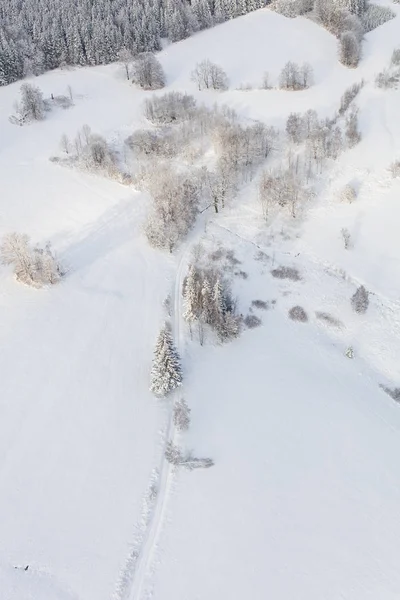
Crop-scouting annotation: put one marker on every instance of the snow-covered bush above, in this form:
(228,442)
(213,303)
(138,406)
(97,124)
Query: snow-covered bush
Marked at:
(286,273)
(147,72)
(33,266)
(346,237)
(172,107)
(360,300)
(166,374)
(395,60)
(294,77)
(260,304)
(164,142)
(387,79)
(297,313)
(175,455)
(376,15)
(209,76)
(181,415)
(349,49)
(348,193)
(252,321)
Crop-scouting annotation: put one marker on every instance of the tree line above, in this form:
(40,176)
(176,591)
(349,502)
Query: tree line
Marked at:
(40,35)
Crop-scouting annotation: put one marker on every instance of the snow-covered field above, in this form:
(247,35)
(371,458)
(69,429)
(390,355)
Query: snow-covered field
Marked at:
(303,498)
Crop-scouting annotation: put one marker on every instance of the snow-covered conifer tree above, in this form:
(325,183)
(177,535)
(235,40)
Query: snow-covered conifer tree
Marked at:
(166,374)
(191,296)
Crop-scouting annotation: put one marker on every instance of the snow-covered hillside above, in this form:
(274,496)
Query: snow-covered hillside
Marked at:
(302,501)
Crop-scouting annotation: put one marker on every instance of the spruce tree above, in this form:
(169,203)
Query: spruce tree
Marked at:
(166,374)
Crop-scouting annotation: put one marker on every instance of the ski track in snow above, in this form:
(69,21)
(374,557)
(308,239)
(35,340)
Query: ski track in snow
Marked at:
(149,541)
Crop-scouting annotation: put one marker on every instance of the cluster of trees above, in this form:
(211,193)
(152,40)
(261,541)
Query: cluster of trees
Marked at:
(209,76)
(39,35)
(208,302)
(294,77)
(166,373)
(175,205)
(312,141)
(33,107)
(91,151)
(32,265)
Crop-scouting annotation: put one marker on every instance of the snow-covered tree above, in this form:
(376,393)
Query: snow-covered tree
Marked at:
(166,374)
(209,76)
(31,106)
(147,72)
(191,296)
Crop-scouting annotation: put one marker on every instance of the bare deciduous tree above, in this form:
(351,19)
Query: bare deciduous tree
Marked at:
(181,415)
(125,56)
(209,76)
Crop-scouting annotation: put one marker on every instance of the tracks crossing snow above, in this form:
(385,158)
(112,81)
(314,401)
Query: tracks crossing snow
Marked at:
(149,542)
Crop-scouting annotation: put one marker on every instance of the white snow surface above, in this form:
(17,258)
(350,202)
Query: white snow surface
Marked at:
(303,499)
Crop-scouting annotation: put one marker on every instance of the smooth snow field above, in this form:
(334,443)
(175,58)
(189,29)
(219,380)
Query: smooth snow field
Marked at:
(303,500)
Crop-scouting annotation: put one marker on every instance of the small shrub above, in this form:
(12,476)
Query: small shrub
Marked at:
(328,319)
(252,321)
(286,273)
(261,304)
(348,194)
(349,352)
(242,274)
(297,313)
(360,300)
(346,236)
(63,102)
(231,258)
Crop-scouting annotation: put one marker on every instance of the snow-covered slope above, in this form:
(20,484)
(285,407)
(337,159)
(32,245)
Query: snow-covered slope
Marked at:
(302,501)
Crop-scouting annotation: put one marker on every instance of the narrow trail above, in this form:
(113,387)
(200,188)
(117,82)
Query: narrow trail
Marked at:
(149,543)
